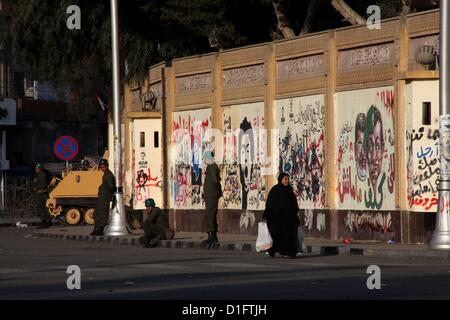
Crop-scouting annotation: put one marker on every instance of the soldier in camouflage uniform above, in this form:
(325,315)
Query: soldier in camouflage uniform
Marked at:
(156,227)
(212,192)
(41,195)
(105,195)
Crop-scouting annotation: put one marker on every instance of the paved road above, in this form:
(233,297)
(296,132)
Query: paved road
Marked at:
(36,269)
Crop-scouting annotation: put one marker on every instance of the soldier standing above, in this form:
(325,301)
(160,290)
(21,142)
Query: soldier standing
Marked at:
(212,192)
(40,194)
(105,195)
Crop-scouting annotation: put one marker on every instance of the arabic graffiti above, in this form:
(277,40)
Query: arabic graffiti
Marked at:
(375,221)
(189,143)
(244,148)
(423,168)
(301,155)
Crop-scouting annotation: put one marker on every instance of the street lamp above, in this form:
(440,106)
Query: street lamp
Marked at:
(117,221)
(441,235)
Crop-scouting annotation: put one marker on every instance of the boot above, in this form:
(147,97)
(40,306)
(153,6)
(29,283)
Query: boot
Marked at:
(206,243)
(94,232)
(144,240)
(154,242)
(100,231)
(213,239)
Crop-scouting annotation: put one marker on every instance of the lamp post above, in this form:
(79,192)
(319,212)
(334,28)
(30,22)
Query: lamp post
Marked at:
(441,234)
(117,221)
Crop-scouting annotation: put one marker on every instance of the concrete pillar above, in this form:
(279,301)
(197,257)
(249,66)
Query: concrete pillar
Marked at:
(401,182)
(269,111)
(167,115)
(165,140)
(330,134)
(216,118)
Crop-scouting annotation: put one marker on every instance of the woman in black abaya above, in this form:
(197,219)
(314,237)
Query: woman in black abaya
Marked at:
(281,216)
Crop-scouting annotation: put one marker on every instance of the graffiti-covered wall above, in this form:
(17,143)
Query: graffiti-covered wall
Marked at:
(301,127)
(422,145)
(244,150)
(365,149)
(188,141)
(147,162)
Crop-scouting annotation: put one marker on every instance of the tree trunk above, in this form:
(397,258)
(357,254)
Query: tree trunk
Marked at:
(348,13)
(283,24)
(313,8)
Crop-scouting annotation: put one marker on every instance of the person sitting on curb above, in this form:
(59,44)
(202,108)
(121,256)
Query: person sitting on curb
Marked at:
(156,227)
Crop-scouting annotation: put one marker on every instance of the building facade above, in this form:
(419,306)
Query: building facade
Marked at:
(351,114)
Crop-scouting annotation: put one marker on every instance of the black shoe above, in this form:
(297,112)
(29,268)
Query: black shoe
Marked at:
(144,240)
(271,253)
(94,232)
(154,242)
(206,243)
(214,237)
(100,231)
(213,240)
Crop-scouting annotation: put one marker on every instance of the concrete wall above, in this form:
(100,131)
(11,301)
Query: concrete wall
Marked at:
(188,143)
(294,106)
(365,159)
(422,146)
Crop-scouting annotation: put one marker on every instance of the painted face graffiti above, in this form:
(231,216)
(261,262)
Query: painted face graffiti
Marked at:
(373,135)
(246,149)
(366,163)
(360,148)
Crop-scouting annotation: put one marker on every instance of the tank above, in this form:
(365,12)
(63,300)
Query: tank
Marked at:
(74,196)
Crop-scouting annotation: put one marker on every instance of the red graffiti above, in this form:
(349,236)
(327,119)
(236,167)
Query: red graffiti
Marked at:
(388,99)
(444,205)
(346,187)
(425,202)
(143,182)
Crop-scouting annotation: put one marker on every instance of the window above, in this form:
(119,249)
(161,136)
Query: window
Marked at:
(156,139)
(426,113)
(142,142)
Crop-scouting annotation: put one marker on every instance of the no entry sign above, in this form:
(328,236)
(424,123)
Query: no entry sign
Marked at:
(65,148)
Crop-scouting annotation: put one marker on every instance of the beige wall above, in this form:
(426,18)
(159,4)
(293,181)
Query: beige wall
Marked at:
(345,71)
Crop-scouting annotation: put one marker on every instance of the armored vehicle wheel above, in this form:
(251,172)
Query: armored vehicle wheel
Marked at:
(89,216)
(73,216)
(54,212)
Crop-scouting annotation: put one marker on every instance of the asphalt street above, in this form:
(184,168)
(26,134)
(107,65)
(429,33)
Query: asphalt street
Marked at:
(32,268)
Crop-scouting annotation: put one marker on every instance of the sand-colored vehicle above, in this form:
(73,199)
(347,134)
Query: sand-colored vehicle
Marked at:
(74,196)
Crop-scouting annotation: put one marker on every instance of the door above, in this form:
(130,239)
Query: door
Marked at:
(147,162)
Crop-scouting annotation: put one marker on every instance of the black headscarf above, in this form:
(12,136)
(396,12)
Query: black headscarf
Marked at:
(281,176)
(282,197)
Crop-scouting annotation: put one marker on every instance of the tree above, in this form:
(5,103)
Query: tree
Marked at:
(152,31)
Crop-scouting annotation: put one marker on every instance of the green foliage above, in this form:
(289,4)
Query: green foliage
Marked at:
(151,31)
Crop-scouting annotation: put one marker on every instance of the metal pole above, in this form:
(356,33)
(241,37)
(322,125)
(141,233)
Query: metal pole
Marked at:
(441,235)
(2,187)
(117,222)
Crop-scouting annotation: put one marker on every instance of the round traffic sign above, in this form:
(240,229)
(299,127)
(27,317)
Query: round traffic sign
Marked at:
(65,148)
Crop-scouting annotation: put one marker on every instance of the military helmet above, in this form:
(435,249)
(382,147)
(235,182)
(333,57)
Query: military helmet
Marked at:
(150,202)
(103,162)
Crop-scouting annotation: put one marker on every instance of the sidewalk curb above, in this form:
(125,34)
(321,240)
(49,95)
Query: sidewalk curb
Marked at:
(247,247)
(316,249)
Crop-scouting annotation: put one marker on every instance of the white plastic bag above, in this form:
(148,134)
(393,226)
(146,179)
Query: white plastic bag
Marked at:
(301,240)
(264,240)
